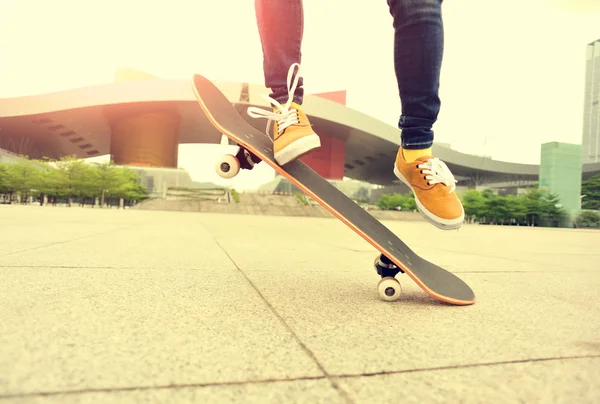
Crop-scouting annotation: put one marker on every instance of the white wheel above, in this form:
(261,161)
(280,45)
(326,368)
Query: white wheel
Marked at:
(389,289)
(228,166)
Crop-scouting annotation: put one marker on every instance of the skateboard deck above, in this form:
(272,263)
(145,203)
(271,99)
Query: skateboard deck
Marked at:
(395,256)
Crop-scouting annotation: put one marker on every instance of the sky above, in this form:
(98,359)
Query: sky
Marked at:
(512,75)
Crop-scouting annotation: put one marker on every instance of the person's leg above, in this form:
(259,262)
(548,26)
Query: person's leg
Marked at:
(281,25)
(418,50)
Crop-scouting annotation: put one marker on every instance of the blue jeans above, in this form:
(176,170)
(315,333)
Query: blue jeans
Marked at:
(418,49)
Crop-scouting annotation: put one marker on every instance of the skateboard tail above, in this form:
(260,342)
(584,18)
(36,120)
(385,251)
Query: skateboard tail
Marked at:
(268,159)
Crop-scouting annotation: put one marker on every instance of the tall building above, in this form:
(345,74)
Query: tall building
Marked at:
(591,113)
(560,174)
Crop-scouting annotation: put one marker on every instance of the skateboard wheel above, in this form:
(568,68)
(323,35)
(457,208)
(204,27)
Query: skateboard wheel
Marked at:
(389,289)
(228,166)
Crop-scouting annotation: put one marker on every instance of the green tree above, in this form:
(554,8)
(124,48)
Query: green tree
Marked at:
(497,209)
(487,212)
(86,186)
(53,185)
(70,177)
(389,201)
(136,193)
(73,178)
(127,185)
(591,189)
(589,218)
(533,205)
(552,209)
(42,184)
(23,177)
(516,208)
(4,188)
(409,204)
(540,206)
(473,203)
(108,180)
(487,207)
(393,201)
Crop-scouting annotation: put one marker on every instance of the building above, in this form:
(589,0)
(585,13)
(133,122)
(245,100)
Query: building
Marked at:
(158,180)
(591,112)
(140,120)
(560,174)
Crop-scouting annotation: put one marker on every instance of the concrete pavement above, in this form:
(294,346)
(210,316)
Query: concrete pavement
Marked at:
(147,306)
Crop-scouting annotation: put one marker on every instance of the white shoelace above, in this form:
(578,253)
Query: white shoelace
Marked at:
(438,172)
(284,116)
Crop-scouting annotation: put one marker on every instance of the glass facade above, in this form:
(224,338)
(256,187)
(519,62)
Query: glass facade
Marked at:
(560,173)
(591,110)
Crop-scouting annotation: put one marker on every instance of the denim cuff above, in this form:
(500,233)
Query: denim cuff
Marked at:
(416,132)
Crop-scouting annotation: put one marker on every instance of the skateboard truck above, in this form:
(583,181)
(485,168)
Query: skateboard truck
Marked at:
(229,165)
(388,287)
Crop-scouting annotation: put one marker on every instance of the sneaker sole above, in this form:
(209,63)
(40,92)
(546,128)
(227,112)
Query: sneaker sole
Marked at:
(440,223)
(297,149)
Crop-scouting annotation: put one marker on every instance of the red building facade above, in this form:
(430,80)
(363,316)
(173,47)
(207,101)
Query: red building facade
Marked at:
(328,160)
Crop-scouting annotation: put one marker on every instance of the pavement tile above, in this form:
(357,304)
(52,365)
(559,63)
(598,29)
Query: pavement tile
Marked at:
(158,244)
(297,391)
(146,300)
(557,382)
(72,329)
(340,318)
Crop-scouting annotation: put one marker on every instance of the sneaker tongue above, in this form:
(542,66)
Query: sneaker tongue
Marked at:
(293,105)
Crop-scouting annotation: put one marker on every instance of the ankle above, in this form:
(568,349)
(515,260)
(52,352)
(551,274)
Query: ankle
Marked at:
(413,154)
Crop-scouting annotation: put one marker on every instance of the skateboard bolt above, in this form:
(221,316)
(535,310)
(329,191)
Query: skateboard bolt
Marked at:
(389,291)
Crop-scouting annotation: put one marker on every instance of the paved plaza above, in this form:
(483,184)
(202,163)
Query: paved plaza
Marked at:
(101,306)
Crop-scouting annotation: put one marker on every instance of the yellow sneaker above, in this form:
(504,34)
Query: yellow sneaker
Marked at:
(293,136)
(433,185)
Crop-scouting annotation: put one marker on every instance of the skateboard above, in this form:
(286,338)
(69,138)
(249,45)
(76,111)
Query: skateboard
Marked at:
(394,257)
